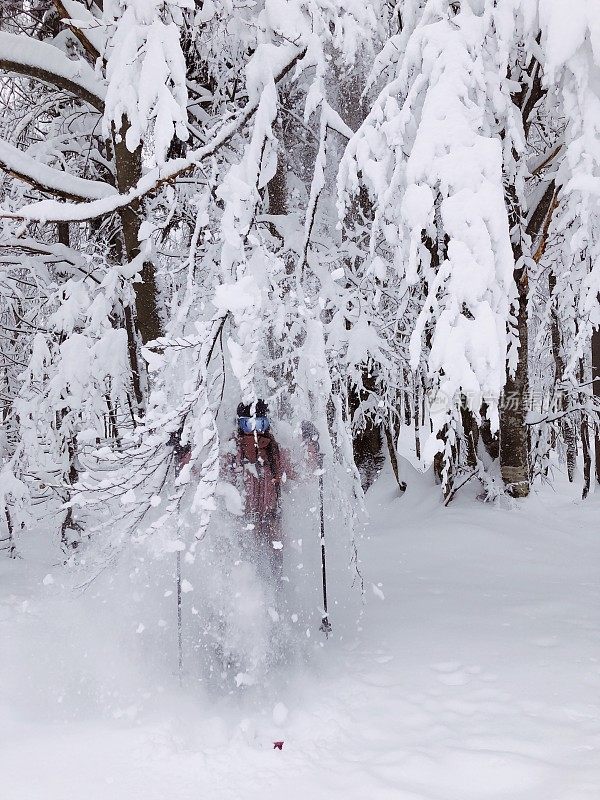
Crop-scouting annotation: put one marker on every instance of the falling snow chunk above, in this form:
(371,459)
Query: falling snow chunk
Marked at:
(155,500)
(377,591)
(244,679)
(140,628)
(277,546)
(48,580)
(273,614)
(186,586)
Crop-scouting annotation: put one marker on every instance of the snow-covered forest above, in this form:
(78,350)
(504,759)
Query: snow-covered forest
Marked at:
(365,237)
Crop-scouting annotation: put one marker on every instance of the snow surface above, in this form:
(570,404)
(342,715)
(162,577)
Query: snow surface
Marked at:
(473,671)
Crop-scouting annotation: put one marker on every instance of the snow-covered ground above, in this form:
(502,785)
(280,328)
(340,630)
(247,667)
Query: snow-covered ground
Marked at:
(473,672)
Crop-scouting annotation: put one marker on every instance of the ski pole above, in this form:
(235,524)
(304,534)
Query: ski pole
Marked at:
(325,624)
(174,441)
(179,620)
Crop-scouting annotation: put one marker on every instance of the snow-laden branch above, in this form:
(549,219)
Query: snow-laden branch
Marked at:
(83,24)
(53,211)
(430,157)
(316,187)
(48,179)
(46,63)
(146,75)
(57,254)
(537,164)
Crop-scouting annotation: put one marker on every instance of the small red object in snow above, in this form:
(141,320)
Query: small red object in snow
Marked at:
(277,745)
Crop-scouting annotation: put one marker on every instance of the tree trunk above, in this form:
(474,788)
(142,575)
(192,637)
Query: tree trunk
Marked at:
(568,428)
(471,435)
(491,441)
(70,529)
(367,444)
(440,464)
(587,456)
(8,543)
(584,431)
(391,435)
(514,441)
(571,445)
(596,392)
(514,436)
(417,422)
(142,323)
(129,172)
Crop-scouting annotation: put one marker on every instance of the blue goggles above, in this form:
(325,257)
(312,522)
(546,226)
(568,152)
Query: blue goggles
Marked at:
(251,424)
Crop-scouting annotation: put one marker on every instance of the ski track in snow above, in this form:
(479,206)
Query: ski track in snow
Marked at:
(478,676)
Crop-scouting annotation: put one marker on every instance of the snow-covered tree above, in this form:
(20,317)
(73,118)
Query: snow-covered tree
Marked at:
(460,154)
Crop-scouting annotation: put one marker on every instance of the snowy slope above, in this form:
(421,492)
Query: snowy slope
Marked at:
(473,672)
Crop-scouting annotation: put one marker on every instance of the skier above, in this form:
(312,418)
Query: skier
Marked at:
(258,467)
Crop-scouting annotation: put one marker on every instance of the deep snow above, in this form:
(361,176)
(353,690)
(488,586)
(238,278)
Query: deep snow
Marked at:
(472,672)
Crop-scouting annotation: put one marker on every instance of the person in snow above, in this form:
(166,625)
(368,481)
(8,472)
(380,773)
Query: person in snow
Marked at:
(258,467)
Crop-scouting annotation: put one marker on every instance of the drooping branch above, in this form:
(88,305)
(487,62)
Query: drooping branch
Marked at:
(31,58)
(58,255)
(48,179)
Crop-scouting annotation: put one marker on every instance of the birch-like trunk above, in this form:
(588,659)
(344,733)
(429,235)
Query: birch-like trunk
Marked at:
(514,439)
